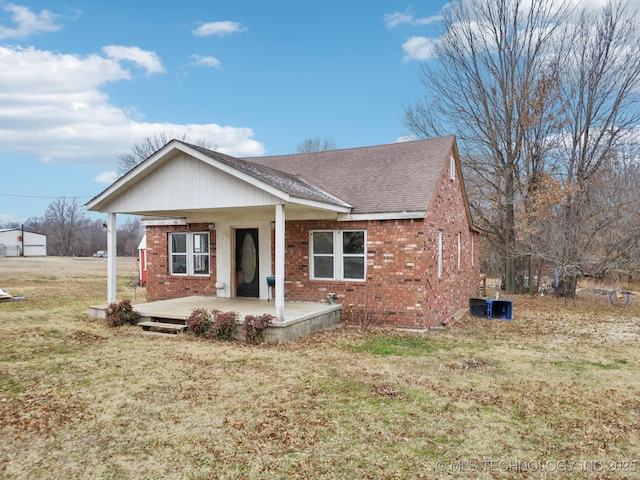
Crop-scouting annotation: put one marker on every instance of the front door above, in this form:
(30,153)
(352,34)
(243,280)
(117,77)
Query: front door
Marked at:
(247,261)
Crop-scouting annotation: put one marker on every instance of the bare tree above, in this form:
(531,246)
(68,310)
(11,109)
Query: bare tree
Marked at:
(601,94)
(64,222)
(317,144)
(540,99)
(493,85)
(147,146)
(129,236)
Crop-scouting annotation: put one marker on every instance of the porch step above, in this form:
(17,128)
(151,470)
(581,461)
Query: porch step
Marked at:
(164,327)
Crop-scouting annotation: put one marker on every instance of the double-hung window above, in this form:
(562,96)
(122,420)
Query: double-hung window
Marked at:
(338,254)
(189,254)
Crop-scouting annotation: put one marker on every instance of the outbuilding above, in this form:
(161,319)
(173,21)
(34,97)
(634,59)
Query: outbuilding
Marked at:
(17,242)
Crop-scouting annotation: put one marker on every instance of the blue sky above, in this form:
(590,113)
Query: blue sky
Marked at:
(81,80)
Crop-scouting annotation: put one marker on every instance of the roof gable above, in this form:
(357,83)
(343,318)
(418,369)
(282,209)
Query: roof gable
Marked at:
(204,179)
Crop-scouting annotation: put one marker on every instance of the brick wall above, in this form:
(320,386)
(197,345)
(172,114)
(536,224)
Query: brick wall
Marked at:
(401,255)
(161,285)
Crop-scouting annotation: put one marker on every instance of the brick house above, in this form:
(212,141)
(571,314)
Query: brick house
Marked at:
(364,226)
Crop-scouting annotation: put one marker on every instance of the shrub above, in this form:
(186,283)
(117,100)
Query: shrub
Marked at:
(254,326)
(199,322)
(225,324)
(118,314)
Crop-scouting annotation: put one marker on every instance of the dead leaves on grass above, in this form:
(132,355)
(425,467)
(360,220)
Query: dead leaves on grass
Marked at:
(468,364)
(41,413)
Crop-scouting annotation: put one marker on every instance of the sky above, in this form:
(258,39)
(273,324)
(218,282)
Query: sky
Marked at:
(81,80)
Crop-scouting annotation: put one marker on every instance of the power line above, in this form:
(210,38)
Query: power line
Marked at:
(43,196)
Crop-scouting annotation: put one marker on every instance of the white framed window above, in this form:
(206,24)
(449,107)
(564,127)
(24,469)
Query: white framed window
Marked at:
(189,253)
(338,254)
(459,250)
(439,253)
(452,168)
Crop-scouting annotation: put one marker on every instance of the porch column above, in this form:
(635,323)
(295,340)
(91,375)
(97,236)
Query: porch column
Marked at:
(279,298)
(111,257)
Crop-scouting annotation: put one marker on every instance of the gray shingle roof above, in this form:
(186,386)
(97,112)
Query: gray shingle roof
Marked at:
(292,184)
(388,178)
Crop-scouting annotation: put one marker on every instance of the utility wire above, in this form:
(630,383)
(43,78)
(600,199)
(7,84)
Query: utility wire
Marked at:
(42,196)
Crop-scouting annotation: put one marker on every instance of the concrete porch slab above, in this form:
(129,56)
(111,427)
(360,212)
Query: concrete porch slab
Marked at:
(300,318)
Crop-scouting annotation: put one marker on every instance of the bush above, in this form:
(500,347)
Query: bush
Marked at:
(199,322)
(254,326)
(118,314)
(225,324)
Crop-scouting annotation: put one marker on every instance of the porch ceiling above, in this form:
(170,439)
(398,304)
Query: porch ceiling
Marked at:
(293,212)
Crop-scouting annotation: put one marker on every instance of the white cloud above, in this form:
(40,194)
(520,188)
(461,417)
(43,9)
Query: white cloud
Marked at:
(106,177)
(419,48)
(218,28)
(143,58)
(206,61)
(51,107)
(27,23)
(394,19)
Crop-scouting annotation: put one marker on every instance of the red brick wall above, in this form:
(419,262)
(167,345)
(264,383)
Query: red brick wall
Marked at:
(161,285)
(401,255)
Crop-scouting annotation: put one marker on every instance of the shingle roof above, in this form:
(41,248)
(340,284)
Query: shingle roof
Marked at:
(388,178)
(292,184)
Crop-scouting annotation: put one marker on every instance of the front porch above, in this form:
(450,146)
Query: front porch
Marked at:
(300,318)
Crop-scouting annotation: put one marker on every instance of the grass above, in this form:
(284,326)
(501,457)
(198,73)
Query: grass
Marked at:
(552,394)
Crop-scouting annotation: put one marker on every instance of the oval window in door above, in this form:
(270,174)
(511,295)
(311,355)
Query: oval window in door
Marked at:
(248,261)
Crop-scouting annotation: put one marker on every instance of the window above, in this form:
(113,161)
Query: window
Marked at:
(452,168)
(338,255)
(189,254)
(439,253)
(459,250)
(473,251)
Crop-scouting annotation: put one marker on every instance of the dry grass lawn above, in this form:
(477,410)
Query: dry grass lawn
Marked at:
(555,393)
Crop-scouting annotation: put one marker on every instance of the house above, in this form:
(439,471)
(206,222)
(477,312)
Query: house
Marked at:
(17,242)
(364,227)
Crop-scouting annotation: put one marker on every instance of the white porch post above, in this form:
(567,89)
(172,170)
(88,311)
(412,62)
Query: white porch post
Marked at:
(111,257)
(279,297)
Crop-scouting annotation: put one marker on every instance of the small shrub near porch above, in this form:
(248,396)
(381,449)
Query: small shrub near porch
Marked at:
(254,327)
(118,314)
(199,322)
(224,325)
(216,324)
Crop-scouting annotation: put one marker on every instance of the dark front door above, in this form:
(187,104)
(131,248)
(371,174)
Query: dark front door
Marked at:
(247,271)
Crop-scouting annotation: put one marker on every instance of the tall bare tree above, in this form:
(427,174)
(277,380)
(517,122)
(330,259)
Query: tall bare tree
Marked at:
(537,93)
(147,146)
(601,95)
(493,85)
(316,144)
(64,222)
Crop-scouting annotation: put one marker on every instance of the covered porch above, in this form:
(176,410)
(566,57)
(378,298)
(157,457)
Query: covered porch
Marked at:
(183,185)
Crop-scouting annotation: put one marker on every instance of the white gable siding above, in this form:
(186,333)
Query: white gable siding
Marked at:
(187,183)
